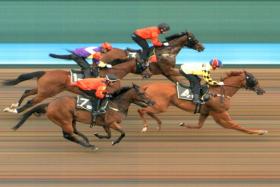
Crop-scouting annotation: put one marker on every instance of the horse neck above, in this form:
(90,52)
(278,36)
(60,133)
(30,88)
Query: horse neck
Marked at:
(234,84)
(178,44)
(124,100)
(121,70)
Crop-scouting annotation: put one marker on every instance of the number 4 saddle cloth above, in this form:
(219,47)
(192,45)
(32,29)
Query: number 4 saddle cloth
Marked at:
(186,93)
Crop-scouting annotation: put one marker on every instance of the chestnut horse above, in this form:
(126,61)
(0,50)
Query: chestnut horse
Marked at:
(165,94)
(63,112)
(51,83)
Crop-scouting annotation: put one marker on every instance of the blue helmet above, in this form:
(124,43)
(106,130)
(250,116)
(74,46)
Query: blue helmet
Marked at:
(216,63)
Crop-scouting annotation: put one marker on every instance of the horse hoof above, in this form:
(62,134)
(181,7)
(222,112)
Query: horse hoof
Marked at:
(262,132)
(114,142)
(10,110)
(94,148)
(181,124)
(145,129)
(7,109)
(97,135)
(14,105)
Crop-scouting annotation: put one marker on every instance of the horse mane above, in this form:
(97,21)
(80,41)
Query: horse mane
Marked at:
(232,73)
(174,36)
(121,91)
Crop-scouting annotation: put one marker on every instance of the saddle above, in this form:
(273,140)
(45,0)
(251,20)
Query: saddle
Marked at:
(185,93)
(137,53)
(76,75)
(85,103)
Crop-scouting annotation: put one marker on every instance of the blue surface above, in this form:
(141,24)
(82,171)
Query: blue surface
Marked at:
(233,54)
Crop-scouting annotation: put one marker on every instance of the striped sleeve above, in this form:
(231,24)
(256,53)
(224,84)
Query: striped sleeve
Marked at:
(207,77)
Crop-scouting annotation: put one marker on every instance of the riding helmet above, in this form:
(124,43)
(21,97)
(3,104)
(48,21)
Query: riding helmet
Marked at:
(164,27)
(97,56)
(216,63)
(107,46)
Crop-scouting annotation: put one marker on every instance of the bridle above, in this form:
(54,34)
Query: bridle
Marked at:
(250,84)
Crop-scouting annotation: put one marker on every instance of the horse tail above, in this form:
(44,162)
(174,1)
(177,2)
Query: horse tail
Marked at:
(24,77)
(40,109)
(65,57)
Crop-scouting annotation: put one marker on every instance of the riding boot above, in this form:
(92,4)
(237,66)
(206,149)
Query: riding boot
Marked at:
(94,113)
(95,72)
(196,99)
(87,73)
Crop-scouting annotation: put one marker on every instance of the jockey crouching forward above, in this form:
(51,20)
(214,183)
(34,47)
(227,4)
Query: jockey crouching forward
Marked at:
(96,89)
(80,55)
(152,33)
(194,70)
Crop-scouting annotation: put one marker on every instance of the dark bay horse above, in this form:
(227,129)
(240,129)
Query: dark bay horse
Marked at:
(166,56)
(50,83)
(165,94)
(63,112)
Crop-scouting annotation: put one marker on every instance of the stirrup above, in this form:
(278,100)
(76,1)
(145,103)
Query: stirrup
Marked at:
(197,108)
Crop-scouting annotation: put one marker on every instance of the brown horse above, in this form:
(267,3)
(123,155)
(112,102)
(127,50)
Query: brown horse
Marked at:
(50,83)
(165,94)
(62,111)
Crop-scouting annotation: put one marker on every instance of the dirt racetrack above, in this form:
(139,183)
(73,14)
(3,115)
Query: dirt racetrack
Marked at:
(38,155)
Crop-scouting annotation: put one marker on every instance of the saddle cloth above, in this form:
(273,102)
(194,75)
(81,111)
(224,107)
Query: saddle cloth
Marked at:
(76,75)
(186,93)
(84,103)
(136,53)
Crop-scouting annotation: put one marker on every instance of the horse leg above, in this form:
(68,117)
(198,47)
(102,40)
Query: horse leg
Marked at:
(201,120)
(118,128)
(29,104)
(151,111)
(15,105)
(79,133)
(107,130)
(152,115)
(26,94)
(72,138)
(141,113)
(225,120)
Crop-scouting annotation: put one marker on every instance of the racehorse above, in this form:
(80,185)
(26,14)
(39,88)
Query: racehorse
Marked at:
(53,82)
(166,56)
(165,94)
(50,83)
(63,112)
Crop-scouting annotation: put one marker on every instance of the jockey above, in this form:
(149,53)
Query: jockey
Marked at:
(80,55)
(193,71)
(152,33)
(96,89)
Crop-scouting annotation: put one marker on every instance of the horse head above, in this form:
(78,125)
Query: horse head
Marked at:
(140,97)
(193,43)
(246,80)
(251,83)
(185,39)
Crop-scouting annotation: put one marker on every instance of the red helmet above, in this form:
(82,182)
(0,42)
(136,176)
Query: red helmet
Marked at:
(97,56)
(107,46)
